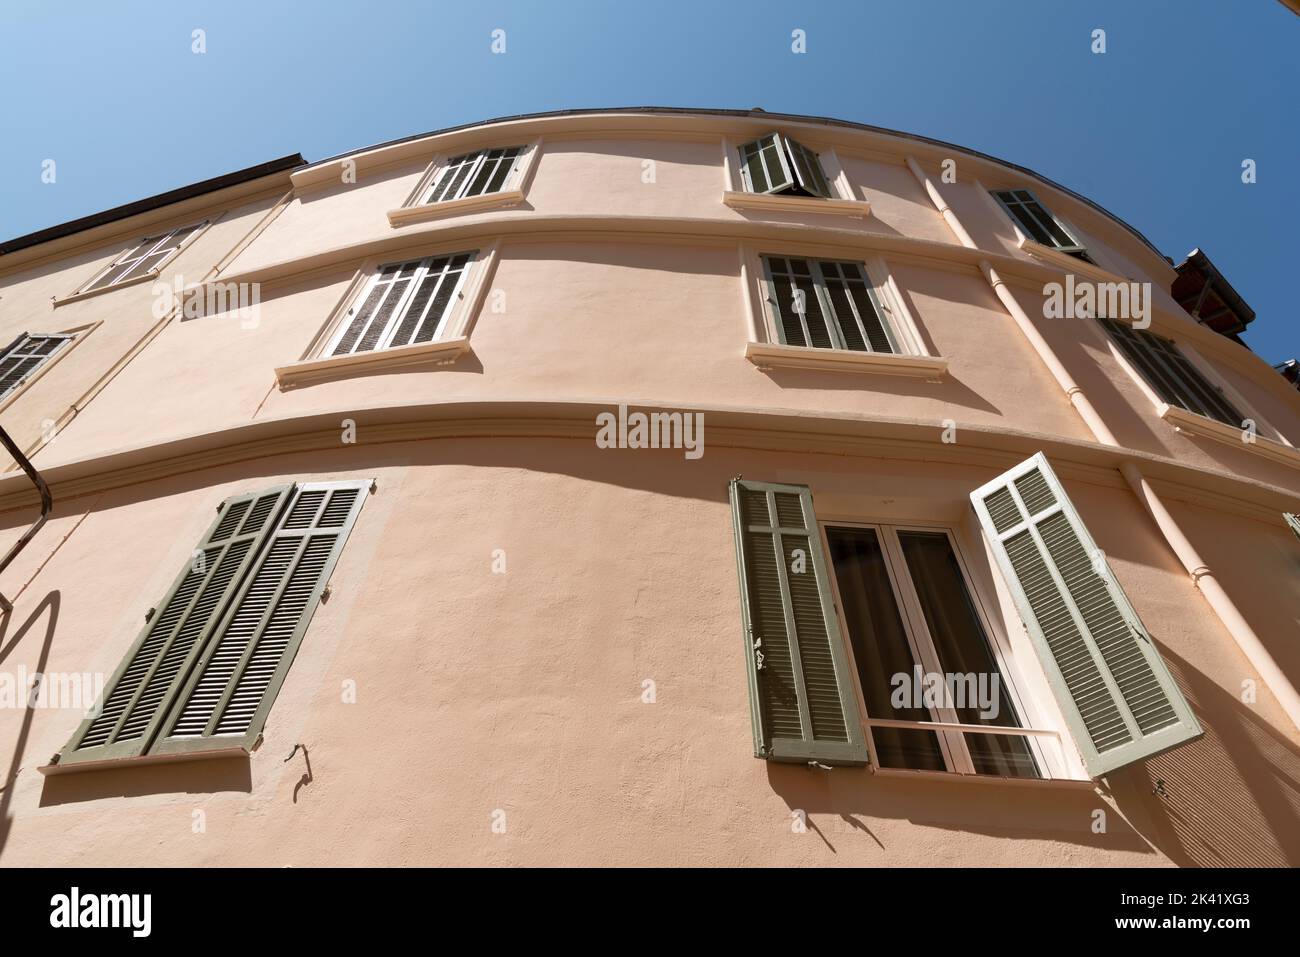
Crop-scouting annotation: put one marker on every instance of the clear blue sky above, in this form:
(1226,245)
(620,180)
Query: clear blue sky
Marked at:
(1155,129)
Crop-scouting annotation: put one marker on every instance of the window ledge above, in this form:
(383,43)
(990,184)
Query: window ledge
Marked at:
(470,204)
(149,276)
(809,204)
(1076,784)
(311,371)
(1068,262)
(768,355)
(1201,425)
(139,760)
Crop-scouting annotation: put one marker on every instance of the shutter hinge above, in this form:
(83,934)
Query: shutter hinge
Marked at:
(325,593)
(817,764)
(757,647)
(374,486)
(148,615)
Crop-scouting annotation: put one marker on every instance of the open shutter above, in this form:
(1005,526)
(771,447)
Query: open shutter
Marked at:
(145,684)
(1114,689)
(230,693)
(763,165)
(801,696)
(808,169)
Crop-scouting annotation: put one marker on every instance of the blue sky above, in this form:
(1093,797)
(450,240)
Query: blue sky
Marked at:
(1155,129)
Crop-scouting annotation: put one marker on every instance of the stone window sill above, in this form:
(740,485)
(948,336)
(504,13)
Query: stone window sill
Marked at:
(1196,424)
(311,371)
(426,212)
(767,355)
(808,204)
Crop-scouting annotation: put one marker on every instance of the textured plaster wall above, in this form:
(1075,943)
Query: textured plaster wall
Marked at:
(522,692)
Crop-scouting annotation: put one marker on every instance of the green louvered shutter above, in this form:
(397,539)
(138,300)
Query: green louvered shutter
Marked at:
(801,695)
(145,684)
(763,166)
(808,169)
(1120,701)
(230,693)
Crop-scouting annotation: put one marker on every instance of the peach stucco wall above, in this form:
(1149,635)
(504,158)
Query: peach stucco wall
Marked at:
(522,691)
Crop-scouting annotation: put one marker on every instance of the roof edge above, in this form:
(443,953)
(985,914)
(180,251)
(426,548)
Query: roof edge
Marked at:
(50,233)
(755,114)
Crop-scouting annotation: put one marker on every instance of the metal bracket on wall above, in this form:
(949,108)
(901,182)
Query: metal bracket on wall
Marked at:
(47,503)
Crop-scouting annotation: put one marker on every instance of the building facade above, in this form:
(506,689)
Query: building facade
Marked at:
(639,487)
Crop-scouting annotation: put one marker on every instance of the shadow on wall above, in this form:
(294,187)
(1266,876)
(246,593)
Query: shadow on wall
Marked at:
(993,809)
(1231,798)
(49,603)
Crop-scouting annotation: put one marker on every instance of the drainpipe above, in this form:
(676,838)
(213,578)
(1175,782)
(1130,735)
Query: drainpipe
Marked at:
(1199,572)
(47,503)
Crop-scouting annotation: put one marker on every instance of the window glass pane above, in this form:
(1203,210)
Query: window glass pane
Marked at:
(754,167)
(980,695)
(880,648)
(1059,237)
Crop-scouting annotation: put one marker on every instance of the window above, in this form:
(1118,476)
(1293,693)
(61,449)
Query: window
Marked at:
(827,305)
(1171,374)
(27,354)
(1038,223)
(146,257)
(403,304)
(476,174)
(777,164)
(210,660)
(909,613)
(1119,699)
(936,697)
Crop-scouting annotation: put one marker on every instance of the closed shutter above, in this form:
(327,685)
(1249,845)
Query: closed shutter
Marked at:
(230,693)
(1113,687)
(763,166)
(801,695)
(808,169)
(147,682)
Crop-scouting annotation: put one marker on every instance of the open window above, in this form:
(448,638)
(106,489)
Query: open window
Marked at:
(1039,224)
(890,612)
(776,164)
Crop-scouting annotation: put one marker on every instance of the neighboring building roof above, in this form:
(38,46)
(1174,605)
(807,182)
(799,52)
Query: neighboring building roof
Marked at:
(1290,371)
(1209,298)
(292,161)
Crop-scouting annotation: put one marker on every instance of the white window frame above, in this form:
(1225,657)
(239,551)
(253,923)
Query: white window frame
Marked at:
(142,250)
(444,323)
(1053,762)
(477,158)
(881,288)
(416,208)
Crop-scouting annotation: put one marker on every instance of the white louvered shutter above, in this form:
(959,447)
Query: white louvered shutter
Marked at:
(1119,698)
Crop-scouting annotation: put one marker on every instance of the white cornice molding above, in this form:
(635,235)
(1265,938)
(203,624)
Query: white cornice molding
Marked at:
(781,430)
